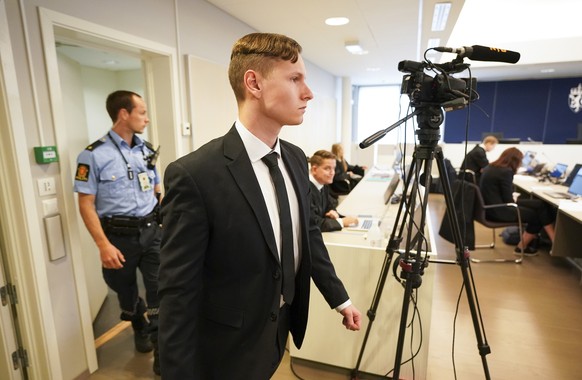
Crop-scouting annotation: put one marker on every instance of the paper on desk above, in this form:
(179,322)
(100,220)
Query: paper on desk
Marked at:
(569,205)
(543,188)
(526,178)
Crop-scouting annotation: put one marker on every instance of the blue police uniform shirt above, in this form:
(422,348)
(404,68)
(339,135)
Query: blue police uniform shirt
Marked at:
(102,171)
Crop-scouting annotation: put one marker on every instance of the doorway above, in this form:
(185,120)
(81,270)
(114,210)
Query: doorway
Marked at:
(160,91)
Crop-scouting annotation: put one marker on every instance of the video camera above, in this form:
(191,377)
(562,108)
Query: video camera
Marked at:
(442,90)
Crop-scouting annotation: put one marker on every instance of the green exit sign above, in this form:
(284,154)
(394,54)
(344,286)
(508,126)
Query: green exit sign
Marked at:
(46,154)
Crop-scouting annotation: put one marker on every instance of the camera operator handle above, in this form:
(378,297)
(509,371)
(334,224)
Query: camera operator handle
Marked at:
(378,135)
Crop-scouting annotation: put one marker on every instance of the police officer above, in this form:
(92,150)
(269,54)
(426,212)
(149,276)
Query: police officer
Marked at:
(118,188)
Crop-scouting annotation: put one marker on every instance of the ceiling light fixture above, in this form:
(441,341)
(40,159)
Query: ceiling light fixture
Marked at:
(337,21)
(440,16)
(354,47)
(109,62)
(547,71)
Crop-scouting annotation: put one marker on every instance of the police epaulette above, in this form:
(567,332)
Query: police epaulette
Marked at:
(149,145)
(94,145)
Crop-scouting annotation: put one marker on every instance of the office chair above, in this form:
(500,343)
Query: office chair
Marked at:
(467,175)
(480,216)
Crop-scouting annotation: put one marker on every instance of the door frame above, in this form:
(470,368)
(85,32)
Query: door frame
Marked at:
(161,70)
(20,228)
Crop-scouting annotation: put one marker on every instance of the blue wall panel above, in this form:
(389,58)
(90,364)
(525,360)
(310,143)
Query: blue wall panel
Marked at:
(480,116)
(520,110)
(527,109)
(562,121)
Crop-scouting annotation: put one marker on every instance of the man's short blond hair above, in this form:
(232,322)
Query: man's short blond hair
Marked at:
(318,157)
(490,140)
(259,52)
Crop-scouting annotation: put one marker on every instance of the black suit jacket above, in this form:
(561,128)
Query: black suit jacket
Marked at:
(321,204)
(476,160)
(220,276)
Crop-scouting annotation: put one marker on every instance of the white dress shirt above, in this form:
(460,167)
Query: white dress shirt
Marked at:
(256,150)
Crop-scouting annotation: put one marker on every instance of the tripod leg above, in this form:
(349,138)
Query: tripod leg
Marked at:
(464,262)
(373,309)
(412,267)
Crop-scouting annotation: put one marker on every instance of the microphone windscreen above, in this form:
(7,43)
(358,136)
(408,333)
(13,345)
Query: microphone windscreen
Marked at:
(484,53)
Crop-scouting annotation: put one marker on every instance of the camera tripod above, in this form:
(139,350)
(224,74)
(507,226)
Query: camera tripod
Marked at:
(411,260)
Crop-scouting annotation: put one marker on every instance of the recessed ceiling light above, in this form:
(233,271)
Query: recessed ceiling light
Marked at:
(547,71)
(110,62)
(354,47)
(440,16)
(337,21)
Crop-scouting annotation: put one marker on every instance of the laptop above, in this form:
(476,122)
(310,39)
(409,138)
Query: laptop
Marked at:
(574,191)
(365,222)
(558,171)
(535,170)
(572,174)
(527,158)
(391,188)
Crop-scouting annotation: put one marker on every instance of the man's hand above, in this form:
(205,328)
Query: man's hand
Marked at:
(111,257)
(350,221)
(332,214)
(352,318)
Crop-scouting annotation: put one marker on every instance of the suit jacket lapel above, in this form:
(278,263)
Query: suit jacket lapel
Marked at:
(242,171)
(299,183)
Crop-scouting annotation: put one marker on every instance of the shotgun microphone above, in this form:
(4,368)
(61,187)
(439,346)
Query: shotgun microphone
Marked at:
(482,53)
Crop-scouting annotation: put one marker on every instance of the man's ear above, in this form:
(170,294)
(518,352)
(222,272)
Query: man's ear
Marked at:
(252,82)
(122,114)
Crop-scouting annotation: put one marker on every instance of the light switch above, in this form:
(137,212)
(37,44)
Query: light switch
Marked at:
(46,186)
(50,207)
(55,237)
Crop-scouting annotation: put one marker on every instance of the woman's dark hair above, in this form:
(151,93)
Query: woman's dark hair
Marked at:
(510,158)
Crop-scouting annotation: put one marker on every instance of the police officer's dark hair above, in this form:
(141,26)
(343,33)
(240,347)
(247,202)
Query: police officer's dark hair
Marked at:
(119,100)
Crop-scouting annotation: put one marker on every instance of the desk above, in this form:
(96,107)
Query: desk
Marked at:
(568,219)
(359,267)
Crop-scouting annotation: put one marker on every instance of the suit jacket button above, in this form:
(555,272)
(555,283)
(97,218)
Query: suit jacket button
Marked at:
(273,317)
(276,275)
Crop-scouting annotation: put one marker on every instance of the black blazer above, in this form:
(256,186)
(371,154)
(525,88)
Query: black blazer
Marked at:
(497,187)
(321,204)
(476,160)
(220,276)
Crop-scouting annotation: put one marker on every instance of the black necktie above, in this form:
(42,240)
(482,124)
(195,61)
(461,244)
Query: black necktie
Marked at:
(287,256)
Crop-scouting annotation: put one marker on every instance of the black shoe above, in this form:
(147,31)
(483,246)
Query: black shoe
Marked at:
(528,251)
(141,338)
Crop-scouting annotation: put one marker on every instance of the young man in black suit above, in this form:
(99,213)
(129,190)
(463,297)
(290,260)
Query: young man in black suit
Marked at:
(322,169)
(476,160)
(238,247)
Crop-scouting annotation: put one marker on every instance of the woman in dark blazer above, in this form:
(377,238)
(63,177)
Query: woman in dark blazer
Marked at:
(346,176)
(497,187)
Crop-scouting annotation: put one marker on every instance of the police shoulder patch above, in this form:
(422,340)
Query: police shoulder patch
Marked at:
(82,173)
(95,144)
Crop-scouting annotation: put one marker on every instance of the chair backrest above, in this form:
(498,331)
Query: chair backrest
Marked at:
(479,204)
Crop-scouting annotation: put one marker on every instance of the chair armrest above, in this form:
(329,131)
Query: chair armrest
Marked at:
(506,205)
(501,205)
